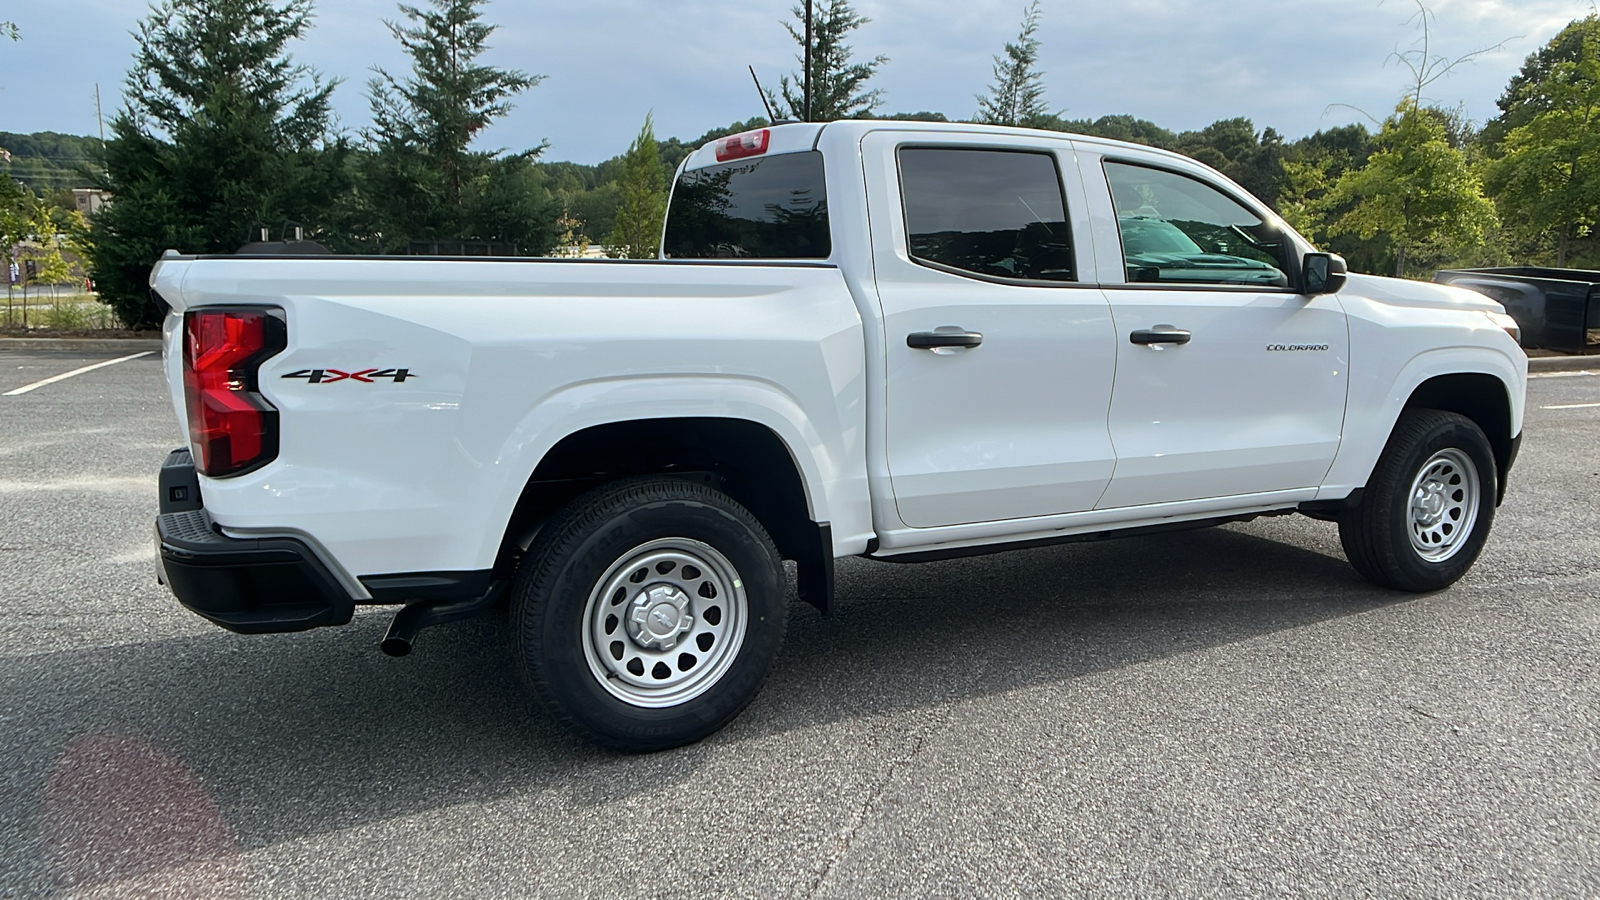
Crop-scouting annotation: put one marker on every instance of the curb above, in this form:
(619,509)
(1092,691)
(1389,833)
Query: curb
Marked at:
(90,345)
(1563,363)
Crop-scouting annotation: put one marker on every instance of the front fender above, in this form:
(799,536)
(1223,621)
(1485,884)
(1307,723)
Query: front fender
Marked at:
(1377,400)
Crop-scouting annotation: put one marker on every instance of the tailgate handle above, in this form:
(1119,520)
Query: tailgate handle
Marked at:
(1161,334)
(927,340)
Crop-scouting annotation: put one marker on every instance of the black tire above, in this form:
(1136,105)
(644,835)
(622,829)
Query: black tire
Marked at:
(705,558)
(1396,545)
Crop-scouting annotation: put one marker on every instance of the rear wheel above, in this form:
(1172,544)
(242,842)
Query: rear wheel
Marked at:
(1427,509)
(648,612)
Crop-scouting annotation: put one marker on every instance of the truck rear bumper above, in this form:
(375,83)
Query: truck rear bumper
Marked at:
(252,586)
(249,585)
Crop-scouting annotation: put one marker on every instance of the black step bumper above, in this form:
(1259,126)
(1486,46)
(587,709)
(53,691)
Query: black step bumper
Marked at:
(248,585)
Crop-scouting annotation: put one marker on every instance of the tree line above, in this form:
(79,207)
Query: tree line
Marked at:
(221,137)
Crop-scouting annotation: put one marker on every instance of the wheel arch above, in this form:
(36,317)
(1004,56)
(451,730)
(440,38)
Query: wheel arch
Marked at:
(1484,385)
(746,459)
(1485,400)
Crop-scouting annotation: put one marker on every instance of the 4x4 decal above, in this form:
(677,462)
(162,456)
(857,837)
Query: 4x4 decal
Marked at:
(365,376)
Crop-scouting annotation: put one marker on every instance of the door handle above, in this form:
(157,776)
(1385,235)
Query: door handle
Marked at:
(1160,334)
(928,340)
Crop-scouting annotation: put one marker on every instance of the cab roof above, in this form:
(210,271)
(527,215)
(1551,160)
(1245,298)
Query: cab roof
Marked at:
(797,137)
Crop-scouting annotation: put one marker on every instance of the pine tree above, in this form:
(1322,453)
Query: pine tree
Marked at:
(836,82)
(221,133)
(422,180)
(1017,96)
(637,233)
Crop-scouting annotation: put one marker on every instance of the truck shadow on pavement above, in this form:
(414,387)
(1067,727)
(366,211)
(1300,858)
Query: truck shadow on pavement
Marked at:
(298,735)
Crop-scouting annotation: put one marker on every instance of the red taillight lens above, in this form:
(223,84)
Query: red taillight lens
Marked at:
(232,428)
(751,143)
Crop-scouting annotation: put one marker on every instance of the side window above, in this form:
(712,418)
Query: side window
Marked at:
(1177,229)
(986,212)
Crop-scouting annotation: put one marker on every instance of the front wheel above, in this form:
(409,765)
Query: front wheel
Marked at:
(1426,511)
(648,612)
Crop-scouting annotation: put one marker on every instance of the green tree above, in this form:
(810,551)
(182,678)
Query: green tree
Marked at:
(1547,178)
(837,84)
(1417,202)
(16,212)
(1309,169)
(1117,128)
(918,116)
(46,161)
(422,180)
(16,225)
(1017,95)
(1416,192)
(50,265)
(1233,147)
(220,133)
(1525,95)
(637,232)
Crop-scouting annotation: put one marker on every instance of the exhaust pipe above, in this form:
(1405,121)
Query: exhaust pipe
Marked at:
(413,617)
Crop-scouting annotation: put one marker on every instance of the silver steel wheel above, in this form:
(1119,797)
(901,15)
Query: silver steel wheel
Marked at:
(1443,504)
(665,622)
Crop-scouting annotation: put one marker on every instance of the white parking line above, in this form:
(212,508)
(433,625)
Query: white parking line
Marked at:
(65,375)
(1584,374)
(1574,406)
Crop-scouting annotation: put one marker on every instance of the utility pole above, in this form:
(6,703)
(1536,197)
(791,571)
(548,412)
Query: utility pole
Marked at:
(101,118)
(806,88)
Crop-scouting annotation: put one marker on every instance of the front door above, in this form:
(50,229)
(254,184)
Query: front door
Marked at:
(1229,380)
(998,358)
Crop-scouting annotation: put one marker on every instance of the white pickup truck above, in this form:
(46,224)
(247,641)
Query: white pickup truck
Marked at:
(897,340)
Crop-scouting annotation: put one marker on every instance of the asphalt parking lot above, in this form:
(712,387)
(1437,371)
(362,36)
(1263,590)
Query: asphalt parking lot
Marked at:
(1229,712)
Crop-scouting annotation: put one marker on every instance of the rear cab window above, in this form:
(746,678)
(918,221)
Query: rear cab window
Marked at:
(767,207)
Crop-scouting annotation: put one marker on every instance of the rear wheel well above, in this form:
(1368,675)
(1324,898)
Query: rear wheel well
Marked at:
(1481,398)
(740,458)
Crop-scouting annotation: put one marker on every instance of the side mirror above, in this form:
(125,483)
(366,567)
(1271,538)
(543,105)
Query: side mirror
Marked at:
(1325,273)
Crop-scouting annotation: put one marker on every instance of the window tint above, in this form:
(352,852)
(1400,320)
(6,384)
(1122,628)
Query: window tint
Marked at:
(990,212)
(774,207)
(1178,229)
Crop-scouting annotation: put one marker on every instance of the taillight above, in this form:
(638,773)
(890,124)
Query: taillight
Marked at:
(751,143)
(232,428)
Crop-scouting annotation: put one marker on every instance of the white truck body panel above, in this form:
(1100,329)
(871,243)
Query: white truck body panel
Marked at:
(1055,425)
(423,476)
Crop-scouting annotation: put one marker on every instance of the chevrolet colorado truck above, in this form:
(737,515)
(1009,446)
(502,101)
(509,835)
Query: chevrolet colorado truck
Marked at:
(903,341)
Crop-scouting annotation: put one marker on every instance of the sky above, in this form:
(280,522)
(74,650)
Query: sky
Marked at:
(607,63)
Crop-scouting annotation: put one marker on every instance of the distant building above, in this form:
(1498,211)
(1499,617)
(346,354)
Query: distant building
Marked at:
(89,200)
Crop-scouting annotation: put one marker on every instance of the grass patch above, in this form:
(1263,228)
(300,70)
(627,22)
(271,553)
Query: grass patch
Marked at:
(76,312)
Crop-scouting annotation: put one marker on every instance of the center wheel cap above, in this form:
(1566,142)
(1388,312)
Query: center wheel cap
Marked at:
(658,616)
(1430,504)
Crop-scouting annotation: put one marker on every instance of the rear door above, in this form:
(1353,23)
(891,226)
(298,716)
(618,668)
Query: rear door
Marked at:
(1229,380)
(999,358)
